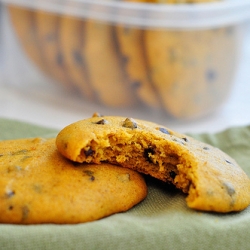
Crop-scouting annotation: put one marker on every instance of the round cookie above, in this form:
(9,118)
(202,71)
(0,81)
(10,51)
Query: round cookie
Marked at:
(130,41)
(39,185)
(191,76)
(188,67)
(23,24)
(212,179)
(72,42)
(104,66)
(47,25)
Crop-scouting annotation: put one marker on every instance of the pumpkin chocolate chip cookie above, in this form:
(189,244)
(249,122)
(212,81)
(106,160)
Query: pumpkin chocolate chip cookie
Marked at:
(39,185)
(211,178)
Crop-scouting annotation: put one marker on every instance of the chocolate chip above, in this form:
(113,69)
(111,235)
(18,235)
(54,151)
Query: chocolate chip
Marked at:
(90,174)
(88,152)
(136,84)
(185,139)
(92,178)
(229,188)
(10,193)
(164,131)
(178,140)
(102,121)
(147,154)
(129,123)
(77,57)
(211,75)
(229,162)
(172,174)
(10,207)
(206,148)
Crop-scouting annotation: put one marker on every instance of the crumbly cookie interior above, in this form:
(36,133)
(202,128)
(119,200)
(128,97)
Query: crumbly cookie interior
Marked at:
(148,155)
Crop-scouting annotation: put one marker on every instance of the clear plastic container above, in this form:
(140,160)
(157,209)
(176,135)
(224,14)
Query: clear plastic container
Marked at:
(177,59)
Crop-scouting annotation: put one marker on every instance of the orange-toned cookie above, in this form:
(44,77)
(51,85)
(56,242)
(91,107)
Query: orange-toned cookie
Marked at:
(25,28)
(132,52)
(72,42)
(39,185)
(106,75)
(189,69)
(130,41)
(211,178)
(47,26)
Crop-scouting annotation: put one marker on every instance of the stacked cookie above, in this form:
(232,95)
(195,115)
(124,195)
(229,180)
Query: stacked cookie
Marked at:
(38,185)
(95,167)
(183,72)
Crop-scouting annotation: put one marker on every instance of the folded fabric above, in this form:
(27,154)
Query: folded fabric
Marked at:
(161,221)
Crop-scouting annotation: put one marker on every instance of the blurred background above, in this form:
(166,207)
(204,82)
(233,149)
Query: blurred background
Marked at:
(185,69)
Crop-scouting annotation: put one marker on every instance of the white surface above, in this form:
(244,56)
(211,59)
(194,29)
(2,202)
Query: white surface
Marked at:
(52,106)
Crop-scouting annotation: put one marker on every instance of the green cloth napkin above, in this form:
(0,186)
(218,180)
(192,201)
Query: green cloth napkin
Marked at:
(161,221)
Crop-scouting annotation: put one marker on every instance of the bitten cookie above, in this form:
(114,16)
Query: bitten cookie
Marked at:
(212,179)
(39,185)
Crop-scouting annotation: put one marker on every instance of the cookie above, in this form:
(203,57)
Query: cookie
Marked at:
(39,185)
(47,26)
(22,21)
(72,42)
(190,69)
(105,71)
(211,178)
(130,42)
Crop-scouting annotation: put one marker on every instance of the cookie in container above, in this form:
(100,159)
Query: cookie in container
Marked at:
(174,57)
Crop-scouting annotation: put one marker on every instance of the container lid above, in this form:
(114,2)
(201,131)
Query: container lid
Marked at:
(147,15)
